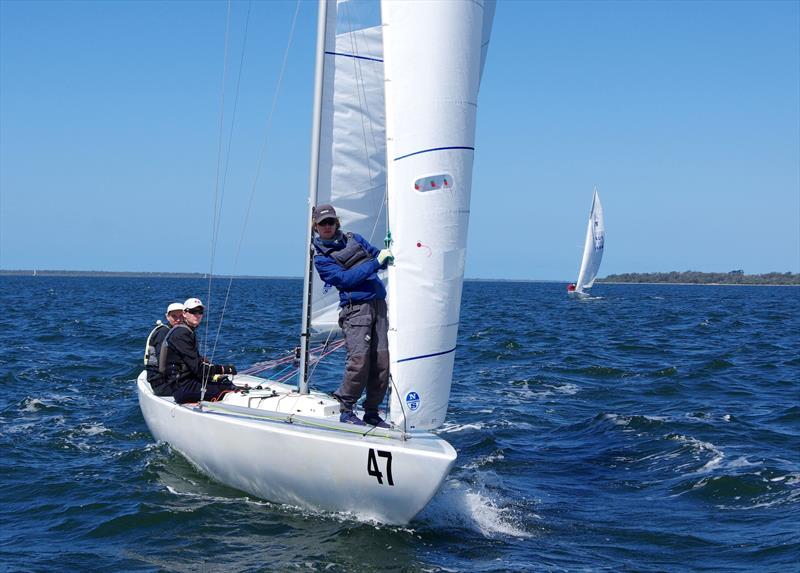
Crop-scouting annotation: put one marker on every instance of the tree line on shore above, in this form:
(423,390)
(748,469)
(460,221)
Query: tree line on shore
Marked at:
(695,277)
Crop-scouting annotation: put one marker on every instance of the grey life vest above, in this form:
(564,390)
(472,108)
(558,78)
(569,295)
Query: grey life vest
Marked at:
(150,358)
(351,255)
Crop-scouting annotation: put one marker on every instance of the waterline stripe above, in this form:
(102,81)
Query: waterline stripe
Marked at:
(432,149)
(353,56)
(427,355)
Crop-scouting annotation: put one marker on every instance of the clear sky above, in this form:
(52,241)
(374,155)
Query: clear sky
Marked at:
(686,115)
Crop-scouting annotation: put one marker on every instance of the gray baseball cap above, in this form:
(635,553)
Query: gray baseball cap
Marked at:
(324,211)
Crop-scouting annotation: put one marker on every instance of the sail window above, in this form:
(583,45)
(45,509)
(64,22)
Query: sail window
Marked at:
(434,183)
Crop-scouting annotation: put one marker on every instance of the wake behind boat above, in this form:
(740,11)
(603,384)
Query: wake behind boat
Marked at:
(393,145)
(592,250)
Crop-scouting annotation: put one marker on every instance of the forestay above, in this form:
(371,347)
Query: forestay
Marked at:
(593,246)
(433,55)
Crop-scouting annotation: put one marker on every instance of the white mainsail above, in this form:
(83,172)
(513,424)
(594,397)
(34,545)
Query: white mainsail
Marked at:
(593,246)
(431,101)
(352,142)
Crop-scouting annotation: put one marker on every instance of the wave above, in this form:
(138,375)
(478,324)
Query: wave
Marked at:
(477,507)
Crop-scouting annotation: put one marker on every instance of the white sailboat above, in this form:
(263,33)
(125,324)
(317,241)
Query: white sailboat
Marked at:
(592,250)
(392,149)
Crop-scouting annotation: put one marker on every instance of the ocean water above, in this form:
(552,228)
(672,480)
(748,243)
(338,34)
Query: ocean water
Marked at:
(653,428)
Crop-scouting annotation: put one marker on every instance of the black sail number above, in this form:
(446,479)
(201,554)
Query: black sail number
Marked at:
(373,468)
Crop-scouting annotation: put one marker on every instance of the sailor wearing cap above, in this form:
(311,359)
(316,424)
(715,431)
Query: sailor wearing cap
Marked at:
(183,368)
(153,347)
(350,263)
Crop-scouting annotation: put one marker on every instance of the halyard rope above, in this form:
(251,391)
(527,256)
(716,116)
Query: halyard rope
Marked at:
(216,179)
(217,205)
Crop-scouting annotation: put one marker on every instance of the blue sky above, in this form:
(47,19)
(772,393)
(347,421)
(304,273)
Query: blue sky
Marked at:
(686,115)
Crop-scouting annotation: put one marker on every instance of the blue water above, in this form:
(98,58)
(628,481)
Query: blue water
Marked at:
(654,428)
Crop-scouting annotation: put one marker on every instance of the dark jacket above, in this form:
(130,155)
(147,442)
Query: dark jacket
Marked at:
(183,360)
(356,284)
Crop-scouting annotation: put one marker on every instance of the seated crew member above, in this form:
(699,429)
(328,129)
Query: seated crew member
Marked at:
(348,262)
(152,349)
(183,366)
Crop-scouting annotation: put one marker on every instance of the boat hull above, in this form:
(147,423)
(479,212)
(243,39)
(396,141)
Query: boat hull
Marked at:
(374,477)
(578,294)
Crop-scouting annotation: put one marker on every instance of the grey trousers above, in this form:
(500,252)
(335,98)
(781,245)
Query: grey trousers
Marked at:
(365,327)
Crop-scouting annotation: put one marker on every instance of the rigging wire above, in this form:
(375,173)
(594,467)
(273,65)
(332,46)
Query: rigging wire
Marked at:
(218,213)
(289,360)
(366,125)
(216,178)
(363,104)
(324,346)
(259,166)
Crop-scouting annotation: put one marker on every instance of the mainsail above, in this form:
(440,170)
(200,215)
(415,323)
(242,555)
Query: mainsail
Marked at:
(593,246)
(352,143)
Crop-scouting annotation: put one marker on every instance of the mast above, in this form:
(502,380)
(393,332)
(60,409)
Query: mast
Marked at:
(305,334)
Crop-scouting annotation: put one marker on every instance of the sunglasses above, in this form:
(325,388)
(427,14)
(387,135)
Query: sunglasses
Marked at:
(326,223)
(195,310)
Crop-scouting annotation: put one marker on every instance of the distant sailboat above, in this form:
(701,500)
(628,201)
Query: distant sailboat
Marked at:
(592,249)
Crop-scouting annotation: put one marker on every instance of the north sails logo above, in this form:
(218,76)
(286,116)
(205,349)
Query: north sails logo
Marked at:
(412,401)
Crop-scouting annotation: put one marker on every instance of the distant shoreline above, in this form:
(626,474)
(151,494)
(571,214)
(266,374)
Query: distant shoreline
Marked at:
(733,278)
(759,280)
(604,282)
(203,276)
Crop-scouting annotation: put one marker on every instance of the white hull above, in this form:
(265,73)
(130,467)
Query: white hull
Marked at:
(308,460)
(578,294)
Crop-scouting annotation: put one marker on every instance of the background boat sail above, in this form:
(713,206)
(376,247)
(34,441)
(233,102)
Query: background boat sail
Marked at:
(378,79)
(592,248)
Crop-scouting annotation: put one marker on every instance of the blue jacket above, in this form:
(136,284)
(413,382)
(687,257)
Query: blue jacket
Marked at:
(356,284)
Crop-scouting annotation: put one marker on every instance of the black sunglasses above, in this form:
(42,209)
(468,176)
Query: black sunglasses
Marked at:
(327,222)
(198,310)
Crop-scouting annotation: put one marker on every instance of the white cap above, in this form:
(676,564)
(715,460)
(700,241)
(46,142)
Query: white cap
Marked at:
(192,303)
(174,306)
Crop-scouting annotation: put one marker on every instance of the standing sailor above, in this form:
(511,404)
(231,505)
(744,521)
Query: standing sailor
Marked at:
(152,349)
(348,262)
(183,367)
